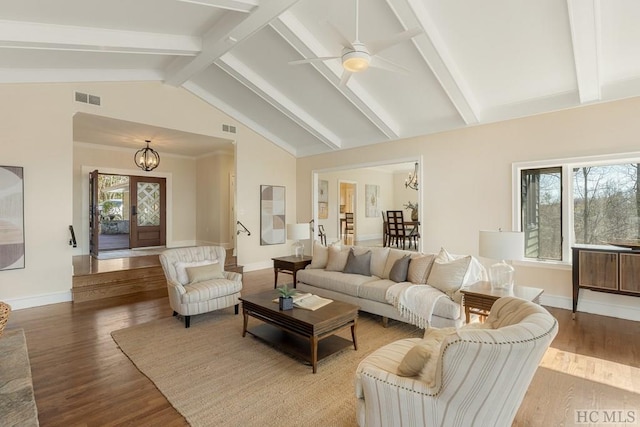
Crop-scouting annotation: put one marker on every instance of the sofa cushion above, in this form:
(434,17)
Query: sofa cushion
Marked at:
(320,255)
(376,290)
(449,309)
(378,260)
(181,268)
(399,270)
(204,272)
(358,264)
(449,276)
(337,258)
(419,268)
(334,280)
(209,289)
(394,255)
(423,357)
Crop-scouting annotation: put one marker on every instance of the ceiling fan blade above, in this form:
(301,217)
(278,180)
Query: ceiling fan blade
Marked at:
(345,77)
(344,41)
(385,64)
(308,60)
(380,45)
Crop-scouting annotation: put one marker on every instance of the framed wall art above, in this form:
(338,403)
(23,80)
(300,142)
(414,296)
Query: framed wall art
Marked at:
(323,199)
(272,215)
(372,193)
(11,217)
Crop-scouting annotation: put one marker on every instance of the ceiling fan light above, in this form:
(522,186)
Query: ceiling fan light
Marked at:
(355,61)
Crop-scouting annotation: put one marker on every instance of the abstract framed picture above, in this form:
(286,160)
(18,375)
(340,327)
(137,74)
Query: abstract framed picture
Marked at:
(323,199)
(11,218)
(272,215)
(372,194)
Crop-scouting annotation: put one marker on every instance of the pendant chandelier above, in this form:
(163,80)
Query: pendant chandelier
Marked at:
(147,158)
(412,181)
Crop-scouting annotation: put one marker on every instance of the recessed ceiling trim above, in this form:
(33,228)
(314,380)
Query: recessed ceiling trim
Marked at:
(64,75)
(236,5)
(238,70)
(295,33)
(61,37)
(435,53)
(584,19)
(232,28)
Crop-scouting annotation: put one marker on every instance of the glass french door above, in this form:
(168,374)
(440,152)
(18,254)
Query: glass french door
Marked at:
(148,211)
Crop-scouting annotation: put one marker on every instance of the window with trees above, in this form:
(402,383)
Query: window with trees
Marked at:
(596,200)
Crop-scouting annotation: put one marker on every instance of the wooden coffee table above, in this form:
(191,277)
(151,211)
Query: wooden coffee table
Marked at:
(309,335)
(479,297)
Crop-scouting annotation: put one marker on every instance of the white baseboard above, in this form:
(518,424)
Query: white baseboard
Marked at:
(227,245)
(258,265)
(38,300)
(181,243)
(587,305)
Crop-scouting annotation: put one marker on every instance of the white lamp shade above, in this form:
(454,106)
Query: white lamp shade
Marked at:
(502,245)
(298,231)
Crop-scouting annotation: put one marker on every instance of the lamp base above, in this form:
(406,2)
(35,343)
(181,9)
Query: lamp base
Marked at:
(501,275)
(297,249)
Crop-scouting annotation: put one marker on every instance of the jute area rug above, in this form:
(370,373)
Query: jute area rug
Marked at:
(214,376)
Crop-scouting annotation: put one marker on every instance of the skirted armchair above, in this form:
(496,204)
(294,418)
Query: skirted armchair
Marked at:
(476,375)
(197,281)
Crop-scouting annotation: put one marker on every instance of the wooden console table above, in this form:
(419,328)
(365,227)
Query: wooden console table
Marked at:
(605,269)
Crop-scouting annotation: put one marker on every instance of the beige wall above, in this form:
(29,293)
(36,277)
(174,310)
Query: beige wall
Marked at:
(466,183)
(213,206)
(37,134)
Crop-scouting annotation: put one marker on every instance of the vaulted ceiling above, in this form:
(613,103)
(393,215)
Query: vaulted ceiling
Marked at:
(472,62)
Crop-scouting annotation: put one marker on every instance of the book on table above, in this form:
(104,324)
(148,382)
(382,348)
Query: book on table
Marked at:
(308,301)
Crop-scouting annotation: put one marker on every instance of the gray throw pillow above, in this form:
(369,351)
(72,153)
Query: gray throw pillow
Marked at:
(400,269)
(358,264)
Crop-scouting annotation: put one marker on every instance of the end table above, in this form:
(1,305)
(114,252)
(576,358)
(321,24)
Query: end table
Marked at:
(289,265)
(479,297)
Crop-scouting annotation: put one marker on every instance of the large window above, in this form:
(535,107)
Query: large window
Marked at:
(578,201)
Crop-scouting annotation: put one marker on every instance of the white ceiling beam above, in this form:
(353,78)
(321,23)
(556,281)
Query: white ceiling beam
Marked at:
(252,80)
(584,19)
(300,38)
(237,5)
(435,53)
(28,35)
(230,29)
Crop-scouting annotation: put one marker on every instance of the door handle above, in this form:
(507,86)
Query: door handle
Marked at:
(134,210)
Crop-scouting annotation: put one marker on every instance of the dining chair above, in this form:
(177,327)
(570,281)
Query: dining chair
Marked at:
(397,231)
(348,226)
(385,230)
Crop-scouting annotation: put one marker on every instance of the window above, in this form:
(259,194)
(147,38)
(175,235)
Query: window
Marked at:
(596,199)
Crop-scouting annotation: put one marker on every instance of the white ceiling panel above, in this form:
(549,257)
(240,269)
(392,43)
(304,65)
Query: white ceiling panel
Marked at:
(471,62)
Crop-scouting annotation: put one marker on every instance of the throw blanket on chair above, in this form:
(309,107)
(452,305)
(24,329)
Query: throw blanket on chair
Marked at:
(414,302)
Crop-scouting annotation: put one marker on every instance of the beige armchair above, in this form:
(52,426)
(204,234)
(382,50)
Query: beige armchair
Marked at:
(197,282)
(479,374)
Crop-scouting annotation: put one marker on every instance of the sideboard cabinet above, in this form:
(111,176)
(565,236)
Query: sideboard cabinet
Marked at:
(605,269)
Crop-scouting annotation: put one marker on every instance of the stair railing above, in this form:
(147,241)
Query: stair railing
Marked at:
(243,229)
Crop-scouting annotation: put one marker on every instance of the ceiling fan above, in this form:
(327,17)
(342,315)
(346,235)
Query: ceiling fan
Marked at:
(357,57)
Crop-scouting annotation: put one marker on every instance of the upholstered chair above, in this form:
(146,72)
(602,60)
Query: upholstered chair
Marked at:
(478,374)
(197,281)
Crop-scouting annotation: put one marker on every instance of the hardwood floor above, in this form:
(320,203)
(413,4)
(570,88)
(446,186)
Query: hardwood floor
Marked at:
(81,378)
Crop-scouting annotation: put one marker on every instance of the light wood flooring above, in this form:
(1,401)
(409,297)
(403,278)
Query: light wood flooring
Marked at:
(81,378)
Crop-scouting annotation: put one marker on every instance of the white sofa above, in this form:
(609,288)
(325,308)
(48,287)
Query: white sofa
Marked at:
(474,376)
(326,276)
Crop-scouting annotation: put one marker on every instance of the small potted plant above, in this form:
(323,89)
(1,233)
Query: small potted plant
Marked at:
(285,300)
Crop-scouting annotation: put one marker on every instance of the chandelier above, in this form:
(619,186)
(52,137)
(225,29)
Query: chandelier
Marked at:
(412,181)
(147,158)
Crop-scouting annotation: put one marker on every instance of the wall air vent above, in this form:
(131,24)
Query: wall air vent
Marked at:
(229,128)
(87,99)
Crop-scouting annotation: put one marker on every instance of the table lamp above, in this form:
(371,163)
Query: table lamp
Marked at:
(502,245)
(298,232)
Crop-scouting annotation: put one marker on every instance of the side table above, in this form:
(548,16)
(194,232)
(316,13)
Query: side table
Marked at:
(289,265)
(479,297)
